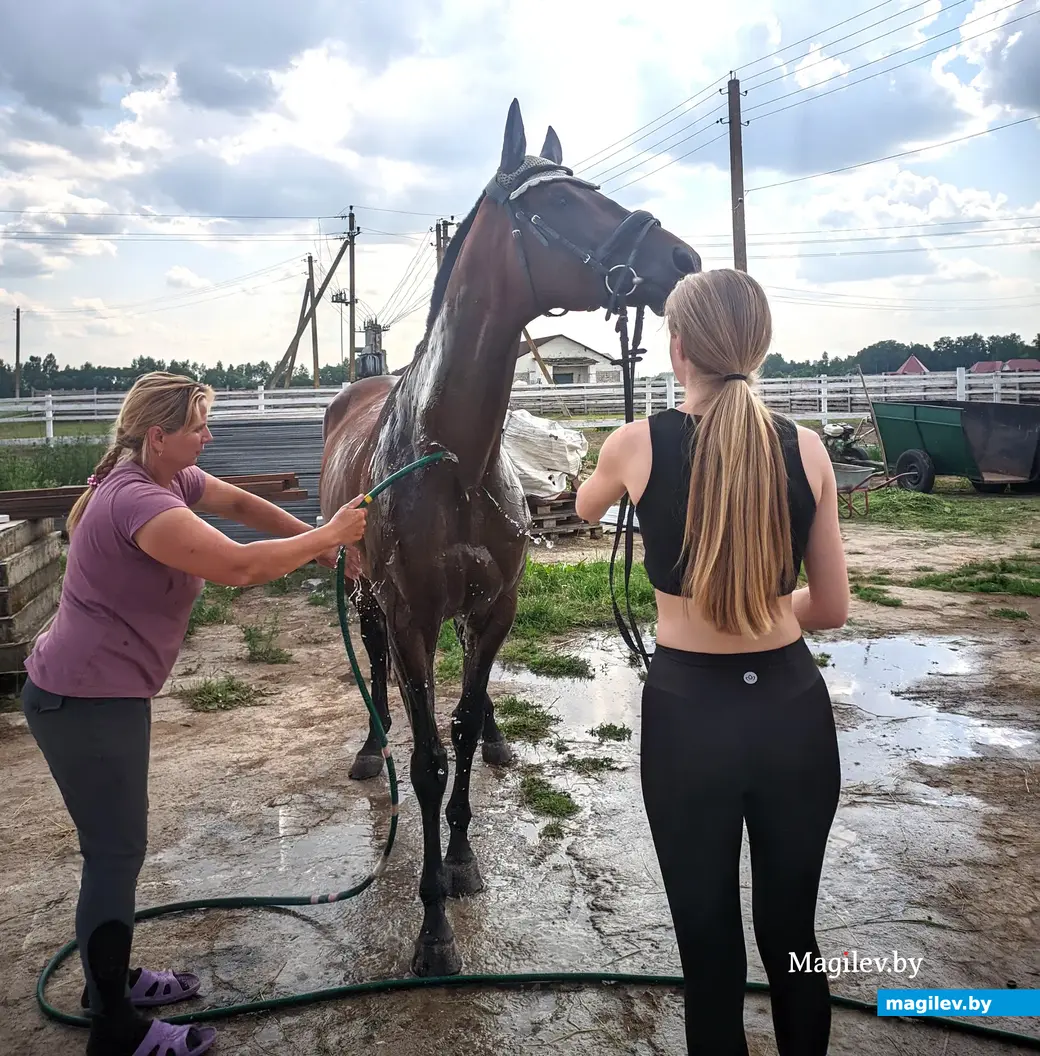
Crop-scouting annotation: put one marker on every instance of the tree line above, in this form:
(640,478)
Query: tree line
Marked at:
(882,357)
(947,353)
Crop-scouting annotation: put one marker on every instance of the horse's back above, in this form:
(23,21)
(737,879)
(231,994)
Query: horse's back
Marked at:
(347,429)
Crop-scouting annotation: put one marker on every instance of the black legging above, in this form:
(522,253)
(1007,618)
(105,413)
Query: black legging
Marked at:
(728,739)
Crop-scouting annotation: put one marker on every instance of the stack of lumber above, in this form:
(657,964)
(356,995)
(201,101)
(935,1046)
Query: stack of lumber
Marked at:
(559,517)
(30,585)
(42,503)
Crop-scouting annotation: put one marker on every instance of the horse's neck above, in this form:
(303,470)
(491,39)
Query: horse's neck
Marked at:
(464,378)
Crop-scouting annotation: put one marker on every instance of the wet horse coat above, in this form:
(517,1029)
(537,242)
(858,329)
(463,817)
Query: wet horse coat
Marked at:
(449,542)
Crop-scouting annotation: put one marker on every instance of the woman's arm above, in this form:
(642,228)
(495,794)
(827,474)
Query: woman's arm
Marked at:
(606,485)
(178,538)
(824,603)
(221,499)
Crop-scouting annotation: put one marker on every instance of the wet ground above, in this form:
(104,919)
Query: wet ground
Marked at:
(934,855)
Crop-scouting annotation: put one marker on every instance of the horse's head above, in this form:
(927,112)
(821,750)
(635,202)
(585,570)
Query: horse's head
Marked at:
(579,249)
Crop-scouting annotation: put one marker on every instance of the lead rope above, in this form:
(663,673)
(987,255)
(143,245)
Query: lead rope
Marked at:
(630,356)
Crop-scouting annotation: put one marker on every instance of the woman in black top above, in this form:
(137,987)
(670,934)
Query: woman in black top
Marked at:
(737,725)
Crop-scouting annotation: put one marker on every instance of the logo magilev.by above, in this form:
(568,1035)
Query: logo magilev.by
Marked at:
(851,961)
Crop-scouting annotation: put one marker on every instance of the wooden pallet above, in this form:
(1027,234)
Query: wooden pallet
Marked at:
(558,517)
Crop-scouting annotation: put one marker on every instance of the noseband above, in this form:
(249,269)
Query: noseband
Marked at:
(620,279)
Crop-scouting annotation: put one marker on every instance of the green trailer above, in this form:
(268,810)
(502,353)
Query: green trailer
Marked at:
(993,445)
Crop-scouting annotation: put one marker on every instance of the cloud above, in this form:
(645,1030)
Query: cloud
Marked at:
(219,87)
(182,278)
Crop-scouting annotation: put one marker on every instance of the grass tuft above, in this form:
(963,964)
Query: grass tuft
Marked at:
(541,797)
(260,644)
(877,595)
(552,831)
(219,694)
(952,510)
(822,659)
(609,731)
(1010,614)
(213,606)
(590,765)
(543,660)
(1018,576)
(523,720)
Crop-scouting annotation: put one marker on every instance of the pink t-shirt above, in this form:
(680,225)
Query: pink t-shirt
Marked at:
(123,615)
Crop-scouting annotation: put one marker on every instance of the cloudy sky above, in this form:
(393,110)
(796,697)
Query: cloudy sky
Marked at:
(166,165)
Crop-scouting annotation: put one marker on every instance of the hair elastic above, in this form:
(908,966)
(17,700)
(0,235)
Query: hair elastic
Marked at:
(734,377)
(92,481)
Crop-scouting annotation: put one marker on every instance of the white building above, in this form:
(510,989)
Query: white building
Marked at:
(569,362)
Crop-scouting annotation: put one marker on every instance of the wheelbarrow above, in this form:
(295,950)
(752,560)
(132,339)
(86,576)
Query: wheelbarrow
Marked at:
(859,480)
(993,445)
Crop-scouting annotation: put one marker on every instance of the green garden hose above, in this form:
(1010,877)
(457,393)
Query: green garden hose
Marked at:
(380,986)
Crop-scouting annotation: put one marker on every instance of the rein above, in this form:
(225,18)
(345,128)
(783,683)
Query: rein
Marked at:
(621,281)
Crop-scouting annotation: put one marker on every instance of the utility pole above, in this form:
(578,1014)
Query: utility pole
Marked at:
(443,238)
(314,319)
(340,297)
(439,245)
(736,176)
(17,353)
(351,235)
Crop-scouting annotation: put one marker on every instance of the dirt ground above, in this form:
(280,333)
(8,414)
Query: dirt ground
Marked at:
(934,854)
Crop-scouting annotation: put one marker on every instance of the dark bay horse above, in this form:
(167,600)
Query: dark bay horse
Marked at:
(449,542)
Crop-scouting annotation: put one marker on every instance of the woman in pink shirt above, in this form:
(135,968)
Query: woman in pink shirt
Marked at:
(138,559)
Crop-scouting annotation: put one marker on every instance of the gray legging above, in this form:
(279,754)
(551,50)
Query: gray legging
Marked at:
(97,749)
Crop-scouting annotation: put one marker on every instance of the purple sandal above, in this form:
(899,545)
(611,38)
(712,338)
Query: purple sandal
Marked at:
(165,1039)
(163,988)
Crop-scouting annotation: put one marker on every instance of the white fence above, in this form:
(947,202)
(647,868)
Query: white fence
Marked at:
(810,399)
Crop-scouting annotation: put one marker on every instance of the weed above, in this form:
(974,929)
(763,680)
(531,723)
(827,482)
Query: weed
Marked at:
(609,731)
(49,465)
(1010,614)
(523,720)
(319,597)
(877,595)
(590,765)
(552,831)
(544,661)
(822,659)
(260,644)
(542,798)
(219,694)
(1018,576)
(213,606)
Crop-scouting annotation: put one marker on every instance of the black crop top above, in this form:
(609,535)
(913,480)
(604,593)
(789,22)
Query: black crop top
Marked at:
(662,507)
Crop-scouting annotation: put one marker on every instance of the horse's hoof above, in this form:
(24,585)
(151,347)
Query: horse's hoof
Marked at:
(496,753)
(434,959)
(462,878)
(366,767)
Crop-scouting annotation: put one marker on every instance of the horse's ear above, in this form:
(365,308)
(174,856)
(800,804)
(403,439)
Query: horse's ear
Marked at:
(514,144)
(551,148)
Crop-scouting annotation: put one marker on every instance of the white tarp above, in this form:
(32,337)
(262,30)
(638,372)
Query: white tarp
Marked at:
(543,452)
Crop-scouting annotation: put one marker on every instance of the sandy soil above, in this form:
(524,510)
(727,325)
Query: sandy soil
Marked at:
(934,853)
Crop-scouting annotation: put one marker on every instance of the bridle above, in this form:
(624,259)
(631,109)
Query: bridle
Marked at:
(621,281)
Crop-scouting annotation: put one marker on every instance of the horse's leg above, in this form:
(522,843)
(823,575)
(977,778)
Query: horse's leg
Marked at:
(413,650)
(495,750)
(369,761)
(482,642)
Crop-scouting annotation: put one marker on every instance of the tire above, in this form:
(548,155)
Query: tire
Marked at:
(919,468)
(987,488)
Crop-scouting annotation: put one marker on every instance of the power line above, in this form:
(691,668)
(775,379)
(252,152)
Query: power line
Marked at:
(892,157)
(880,73)
(681,157)
(873,40)
(898,249)
(881,301)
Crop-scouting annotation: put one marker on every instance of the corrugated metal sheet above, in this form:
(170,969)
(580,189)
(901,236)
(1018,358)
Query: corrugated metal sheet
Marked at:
(271,446)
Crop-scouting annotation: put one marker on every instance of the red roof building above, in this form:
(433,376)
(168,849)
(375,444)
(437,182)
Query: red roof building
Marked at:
(913,366)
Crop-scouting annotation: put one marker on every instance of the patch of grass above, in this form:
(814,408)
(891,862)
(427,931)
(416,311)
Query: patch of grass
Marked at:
(523,720)
(552,831)
(260,644)
(590,765)
(294,581)
(822,659)
(1018,576)
(609,731)
(320,597)
(541,797)
(219,694)
(543,660)
(952,511)
(213,606)
(49,466)
(877,595)
(449,662)
(1010,614)
(924,568)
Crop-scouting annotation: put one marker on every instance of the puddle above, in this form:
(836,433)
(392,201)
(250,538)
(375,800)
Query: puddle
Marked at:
(880,727)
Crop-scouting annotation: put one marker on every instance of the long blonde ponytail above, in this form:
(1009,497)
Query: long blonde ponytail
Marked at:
(738,533)
(169,401)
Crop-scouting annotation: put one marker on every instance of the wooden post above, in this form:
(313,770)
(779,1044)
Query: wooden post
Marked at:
(314,319)
(17,353)
(736,176)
